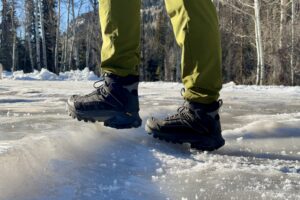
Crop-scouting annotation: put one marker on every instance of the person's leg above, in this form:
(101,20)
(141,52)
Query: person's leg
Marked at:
(197,122)
(115,102)
(120,26)
(196,29)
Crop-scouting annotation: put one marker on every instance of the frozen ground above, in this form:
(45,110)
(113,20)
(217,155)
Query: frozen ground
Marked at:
(45,155)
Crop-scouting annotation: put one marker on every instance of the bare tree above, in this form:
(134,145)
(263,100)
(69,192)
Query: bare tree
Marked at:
(256,16)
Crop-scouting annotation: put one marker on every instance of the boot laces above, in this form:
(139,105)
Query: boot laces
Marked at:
(100,89)
(182,112)
(185,112)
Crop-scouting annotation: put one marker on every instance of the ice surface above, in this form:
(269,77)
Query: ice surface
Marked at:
(46,155)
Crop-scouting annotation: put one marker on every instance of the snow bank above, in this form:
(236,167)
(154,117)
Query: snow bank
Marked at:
(232,87)
(78,75)
(44,74)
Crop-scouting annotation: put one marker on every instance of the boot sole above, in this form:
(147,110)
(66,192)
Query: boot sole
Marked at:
(194,144)
(112,119)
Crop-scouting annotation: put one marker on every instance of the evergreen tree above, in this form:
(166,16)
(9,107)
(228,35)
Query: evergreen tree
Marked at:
(8,33)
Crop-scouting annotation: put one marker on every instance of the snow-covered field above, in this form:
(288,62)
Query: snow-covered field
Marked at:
(45,155)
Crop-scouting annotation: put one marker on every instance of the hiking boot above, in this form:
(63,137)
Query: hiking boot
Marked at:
(195,123)
(115,103)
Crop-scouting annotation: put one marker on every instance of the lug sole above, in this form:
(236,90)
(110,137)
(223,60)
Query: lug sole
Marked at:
(194,144)
(112,119)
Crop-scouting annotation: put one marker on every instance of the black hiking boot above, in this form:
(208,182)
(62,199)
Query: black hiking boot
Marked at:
(115,103)
(197,124)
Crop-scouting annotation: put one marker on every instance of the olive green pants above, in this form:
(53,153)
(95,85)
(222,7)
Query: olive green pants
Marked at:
(196,29)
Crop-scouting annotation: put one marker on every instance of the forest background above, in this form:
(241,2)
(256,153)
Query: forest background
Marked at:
(260,39)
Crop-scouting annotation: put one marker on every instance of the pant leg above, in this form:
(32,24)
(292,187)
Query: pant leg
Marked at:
(120,28)
(196,29)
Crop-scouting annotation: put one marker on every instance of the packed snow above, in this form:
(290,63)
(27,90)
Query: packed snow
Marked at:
(44,154)
(44,74)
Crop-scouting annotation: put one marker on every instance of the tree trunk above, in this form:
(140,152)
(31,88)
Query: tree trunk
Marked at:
(143,59)
(14,36)
(28,30)
(76,54)
(282,29)
(282,53)
(67,37)
(74,35)
(257,56)
(28,39)
(88,46)
(30,51)
(293,43)
(57,38)
(217,4)
(37,35)
(42,23)
(1,71)
(167,69)
(259,45)
(178,66)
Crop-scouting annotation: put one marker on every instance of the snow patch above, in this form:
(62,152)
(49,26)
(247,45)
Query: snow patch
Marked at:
(77,75)
(45,75)
(266,129)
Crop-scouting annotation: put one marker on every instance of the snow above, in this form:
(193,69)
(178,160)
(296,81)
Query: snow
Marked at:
(44,154)
(44,74)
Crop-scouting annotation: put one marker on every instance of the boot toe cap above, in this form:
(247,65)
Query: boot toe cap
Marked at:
(152,124)
(71,100)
